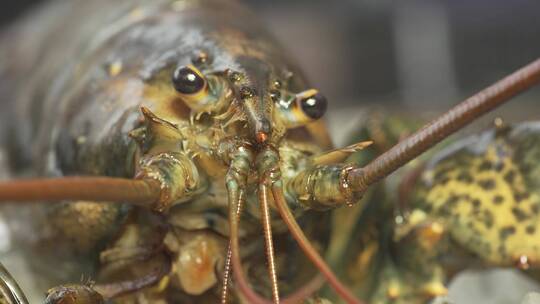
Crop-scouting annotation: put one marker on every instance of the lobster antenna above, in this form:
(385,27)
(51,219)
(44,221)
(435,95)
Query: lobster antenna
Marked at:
(309,250)
(456,118)
(226,275)
(267,228)
(227,269)
(235,205)
(139,192)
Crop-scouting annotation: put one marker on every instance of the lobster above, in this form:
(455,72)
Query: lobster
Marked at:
(173,131)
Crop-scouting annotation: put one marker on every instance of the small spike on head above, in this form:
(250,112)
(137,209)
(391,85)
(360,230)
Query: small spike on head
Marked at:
(155,132)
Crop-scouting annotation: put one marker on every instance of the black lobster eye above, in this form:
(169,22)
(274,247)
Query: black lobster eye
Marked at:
(188,80)
(314,106)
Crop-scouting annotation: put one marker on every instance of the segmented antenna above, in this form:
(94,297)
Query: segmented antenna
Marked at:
(267,228)
(139,192)
(307,248)
(458,117)
(236,201)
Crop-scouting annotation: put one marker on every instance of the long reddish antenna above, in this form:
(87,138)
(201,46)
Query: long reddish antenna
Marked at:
(461,115)
(235,205)
(309,250)
(267,227)
(140,192)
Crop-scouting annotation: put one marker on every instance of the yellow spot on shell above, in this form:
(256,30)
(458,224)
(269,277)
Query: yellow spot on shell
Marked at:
(393,291)
(305,197)
(179,6)
(429,234)
(136,13)
(433,233)
(81,140)
(498,122)
(163,284)
(435,289)
(437,228)
(416,217)
(363,260)
(115,68)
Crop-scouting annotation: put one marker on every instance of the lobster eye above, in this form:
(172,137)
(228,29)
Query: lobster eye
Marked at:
(314,106)
(188,80)
(300,109)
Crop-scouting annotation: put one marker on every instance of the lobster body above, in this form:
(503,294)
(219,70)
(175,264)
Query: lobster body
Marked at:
(80,72)
(74,78)
(195,97)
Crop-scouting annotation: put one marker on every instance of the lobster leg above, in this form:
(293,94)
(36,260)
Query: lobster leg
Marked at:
(126,266)
(413,270)
(73,294)
(88,294)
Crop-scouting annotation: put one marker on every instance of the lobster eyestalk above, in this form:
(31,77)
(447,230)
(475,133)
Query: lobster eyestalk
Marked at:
(332,186)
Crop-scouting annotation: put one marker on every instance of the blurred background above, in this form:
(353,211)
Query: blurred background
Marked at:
(418,53)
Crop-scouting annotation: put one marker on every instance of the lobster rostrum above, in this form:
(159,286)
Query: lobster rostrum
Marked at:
(190,118)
